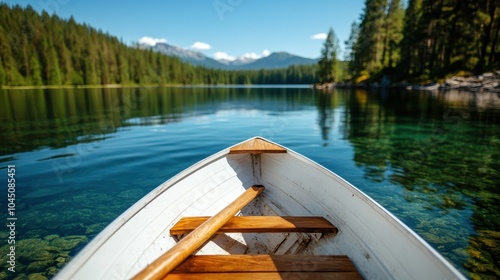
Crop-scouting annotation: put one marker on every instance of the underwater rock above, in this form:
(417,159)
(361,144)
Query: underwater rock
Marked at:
(73,228)
(37,276)
(52,271)
(95,228)
(4,235)
(60,262)
(39,265)
(437,238)
(36,233)
(132,194)
(21,276)
(51,237)
(43,257)
(34,249)
(67,243)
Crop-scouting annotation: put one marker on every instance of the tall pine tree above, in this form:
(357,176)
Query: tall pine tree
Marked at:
(328,62)
(410,51)
(350,51)
(393,34)
(36,71)
(369,47)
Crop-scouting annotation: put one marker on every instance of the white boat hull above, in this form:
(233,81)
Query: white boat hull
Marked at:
(379,245)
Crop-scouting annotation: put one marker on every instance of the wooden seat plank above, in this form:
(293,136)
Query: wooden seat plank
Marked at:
(256,146)
(265,263)
(266,276)
(187,246)
(247,224)
(252,267)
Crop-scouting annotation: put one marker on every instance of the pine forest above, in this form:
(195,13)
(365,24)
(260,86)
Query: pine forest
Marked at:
(425,41)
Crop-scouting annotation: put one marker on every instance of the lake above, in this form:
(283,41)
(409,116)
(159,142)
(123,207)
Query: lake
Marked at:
(83,156)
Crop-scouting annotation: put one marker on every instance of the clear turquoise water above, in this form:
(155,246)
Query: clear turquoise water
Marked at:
(83,156)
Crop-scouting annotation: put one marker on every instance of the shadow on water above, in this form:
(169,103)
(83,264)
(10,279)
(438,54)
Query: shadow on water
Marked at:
(443,149)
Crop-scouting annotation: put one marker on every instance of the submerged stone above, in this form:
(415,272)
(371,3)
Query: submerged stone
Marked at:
(67,243)
(52,271)
(95,228)
(39,265)
(60,262)
(21,276)
(37,276)
(34,249)
(51,237)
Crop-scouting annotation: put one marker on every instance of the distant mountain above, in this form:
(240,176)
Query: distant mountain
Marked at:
(42,60)
(195,58)
(278,60)
(237,62)
(272,61)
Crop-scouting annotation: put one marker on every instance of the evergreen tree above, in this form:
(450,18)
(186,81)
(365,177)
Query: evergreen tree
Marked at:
(350,51)
(42,49)
(65,62)
(104,69)
(410,54)
(393,34)
(90,73)
(3,77)
(51,64)
(328,63)
(123,70)
(36,71)
(369,47)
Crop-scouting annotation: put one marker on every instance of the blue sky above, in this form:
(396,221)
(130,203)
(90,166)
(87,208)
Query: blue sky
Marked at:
(230,28)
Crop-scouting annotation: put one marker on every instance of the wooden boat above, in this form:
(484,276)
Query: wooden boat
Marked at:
(214,220)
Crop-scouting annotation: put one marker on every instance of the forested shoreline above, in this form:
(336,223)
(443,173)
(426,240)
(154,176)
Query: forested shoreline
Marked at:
(423,42)
(46,50)
(427,40)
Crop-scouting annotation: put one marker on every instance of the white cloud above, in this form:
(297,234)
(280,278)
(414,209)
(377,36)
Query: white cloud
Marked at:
(151,41)
(246,56)
(223,55)
(319,36)
(200,46)
(253,55)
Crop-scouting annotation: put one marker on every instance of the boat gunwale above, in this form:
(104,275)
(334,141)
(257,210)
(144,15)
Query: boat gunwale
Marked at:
(395,221)
(107,233)
(100,239)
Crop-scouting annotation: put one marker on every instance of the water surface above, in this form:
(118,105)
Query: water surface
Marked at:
(83,156)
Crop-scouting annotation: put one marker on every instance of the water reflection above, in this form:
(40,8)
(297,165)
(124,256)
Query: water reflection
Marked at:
(432,159)
(32,119)
(444,150)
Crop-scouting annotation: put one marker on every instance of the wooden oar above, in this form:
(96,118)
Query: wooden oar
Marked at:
(189,244)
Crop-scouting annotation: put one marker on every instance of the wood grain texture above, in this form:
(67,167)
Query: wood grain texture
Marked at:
(267,276)
(265,267)
(256,146)
(246,224)
(188,245)
(265,263)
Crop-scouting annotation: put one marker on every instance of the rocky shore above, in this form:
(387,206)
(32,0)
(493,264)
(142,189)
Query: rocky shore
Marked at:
(489,82)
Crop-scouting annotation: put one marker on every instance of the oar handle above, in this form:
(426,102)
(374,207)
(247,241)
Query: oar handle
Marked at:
(189,244)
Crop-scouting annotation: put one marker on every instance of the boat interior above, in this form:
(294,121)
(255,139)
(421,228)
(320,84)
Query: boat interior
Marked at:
(257,244)
(257,240)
